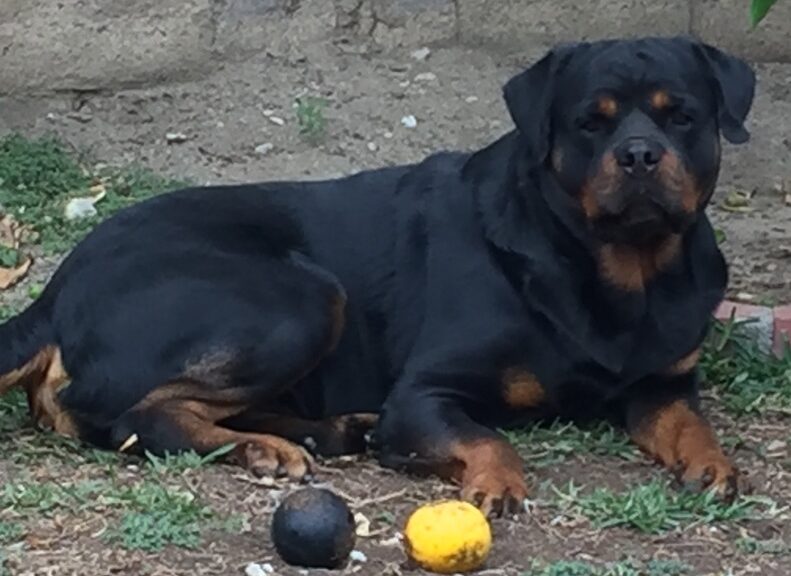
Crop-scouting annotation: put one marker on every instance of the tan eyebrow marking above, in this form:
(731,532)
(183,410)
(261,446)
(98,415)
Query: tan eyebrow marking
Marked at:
(660,100)
(608,106)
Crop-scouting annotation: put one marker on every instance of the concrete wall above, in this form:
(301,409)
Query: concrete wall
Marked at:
(46,45)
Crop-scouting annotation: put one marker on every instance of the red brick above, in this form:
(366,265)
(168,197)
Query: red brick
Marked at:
(742,311)
(782,327)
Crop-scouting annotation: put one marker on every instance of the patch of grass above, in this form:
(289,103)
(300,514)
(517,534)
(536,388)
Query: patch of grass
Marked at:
(628,567)
(655,507)
(548,445)
(46,497)
(13,411)
(750,545)
(747,380)
(151,515)
(157,516)
(310,117)
(39,176)
(10,532)
(184,461)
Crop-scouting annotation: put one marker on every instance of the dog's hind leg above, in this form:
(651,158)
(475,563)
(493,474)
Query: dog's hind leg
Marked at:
(186,415)
(41,378)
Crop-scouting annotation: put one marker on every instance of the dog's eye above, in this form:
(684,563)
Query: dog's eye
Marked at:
(592,124)
(681,119)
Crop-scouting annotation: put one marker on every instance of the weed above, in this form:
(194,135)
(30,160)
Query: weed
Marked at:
(38,177)
(157,516)
(13,411)
(747,380)
(627,567)
(10,532)
(750,545)
(310,117)
(547,445)
(655,507)
(45,498)
(184,461)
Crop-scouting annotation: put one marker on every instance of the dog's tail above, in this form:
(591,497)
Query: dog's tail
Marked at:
(22,339)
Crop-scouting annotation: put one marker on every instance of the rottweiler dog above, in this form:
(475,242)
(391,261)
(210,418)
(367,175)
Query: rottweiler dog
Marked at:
(567,270)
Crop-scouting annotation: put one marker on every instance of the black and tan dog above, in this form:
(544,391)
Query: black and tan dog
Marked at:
(566,270)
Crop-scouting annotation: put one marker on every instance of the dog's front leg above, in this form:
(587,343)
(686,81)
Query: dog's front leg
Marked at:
(664,420)
(425,429)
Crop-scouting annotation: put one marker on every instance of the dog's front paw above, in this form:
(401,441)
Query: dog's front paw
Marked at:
(710,470)
(493,478)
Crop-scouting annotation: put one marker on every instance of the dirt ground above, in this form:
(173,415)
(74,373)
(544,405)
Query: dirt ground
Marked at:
(239,125)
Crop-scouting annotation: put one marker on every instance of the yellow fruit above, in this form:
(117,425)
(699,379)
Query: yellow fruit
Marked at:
(448,537)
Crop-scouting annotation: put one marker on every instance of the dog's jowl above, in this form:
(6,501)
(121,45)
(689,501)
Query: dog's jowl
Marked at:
(566,270)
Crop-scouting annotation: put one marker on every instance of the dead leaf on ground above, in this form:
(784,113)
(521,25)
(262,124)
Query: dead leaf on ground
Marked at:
(17,265)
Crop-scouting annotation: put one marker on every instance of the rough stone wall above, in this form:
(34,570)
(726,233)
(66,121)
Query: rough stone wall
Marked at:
(48,46)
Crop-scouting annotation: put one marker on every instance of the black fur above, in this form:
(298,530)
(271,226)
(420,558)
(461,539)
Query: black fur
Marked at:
(454,270)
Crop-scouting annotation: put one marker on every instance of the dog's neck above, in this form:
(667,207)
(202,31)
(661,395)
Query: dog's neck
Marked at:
(552,258)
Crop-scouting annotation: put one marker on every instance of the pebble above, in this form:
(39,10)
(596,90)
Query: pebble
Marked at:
(264,148)
(254,569)
(78,208)
(372,146)
(357,556)
(276,120)
(388,135)
(175,137)
(425,77)
(421,54)
(471,99)
(409,121)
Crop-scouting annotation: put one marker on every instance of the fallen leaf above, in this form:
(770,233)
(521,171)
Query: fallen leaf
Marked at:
(10,276)
(15,265)
(363,525)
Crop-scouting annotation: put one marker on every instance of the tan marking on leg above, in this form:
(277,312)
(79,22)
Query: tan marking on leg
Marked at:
(683,441)
(491,475)
(521,389)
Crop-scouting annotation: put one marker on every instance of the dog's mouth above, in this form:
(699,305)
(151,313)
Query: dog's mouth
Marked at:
(643,218)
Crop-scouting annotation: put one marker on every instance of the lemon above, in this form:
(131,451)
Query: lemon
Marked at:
(448,537)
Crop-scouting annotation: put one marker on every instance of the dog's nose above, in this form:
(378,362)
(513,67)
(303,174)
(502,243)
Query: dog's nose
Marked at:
(639,156)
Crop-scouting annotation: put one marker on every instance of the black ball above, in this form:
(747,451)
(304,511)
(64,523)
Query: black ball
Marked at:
(313,528)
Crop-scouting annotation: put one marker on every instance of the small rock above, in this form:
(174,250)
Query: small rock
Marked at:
(51,116)
(78,208)
(421,54)
(409,121)
(388,135)
(471,99)
(744,297)
(254,569)
(771,267)
(220,124)
(372,146)
(268,112)
(404,84)
(82,117)
(425,77)
(175,137)
(276,120)
(265,148)
(357,556)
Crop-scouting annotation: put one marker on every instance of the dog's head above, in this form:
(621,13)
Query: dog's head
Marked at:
(631,128)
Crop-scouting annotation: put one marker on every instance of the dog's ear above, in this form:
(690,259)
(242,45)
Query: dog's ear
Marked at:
(529,96)
(733,82)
